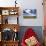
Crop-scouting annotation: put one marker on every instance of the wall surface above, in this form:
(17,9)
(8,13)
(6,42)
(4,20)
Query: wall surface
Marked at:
(32,4)
(45,13)
(27,4)
(7,3)
(45,22)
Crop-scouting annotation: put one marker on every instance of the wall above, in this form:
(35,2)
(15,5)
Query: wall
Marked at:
(7,3)
(45,13)
(45,20)
(30,4)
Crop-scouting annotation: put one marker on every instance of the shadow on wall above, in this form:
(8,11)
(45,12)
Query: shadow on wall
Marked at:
(37,29)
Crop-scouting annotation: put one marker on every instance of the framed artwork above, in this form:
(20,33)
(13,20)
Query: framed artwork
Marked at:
(5,12)
(13,12)
(29,13)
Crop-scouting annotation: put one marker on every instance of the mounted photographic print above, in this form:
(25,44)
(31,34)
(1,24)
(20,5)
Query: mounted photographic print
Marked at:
(5,12)
(29,13)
